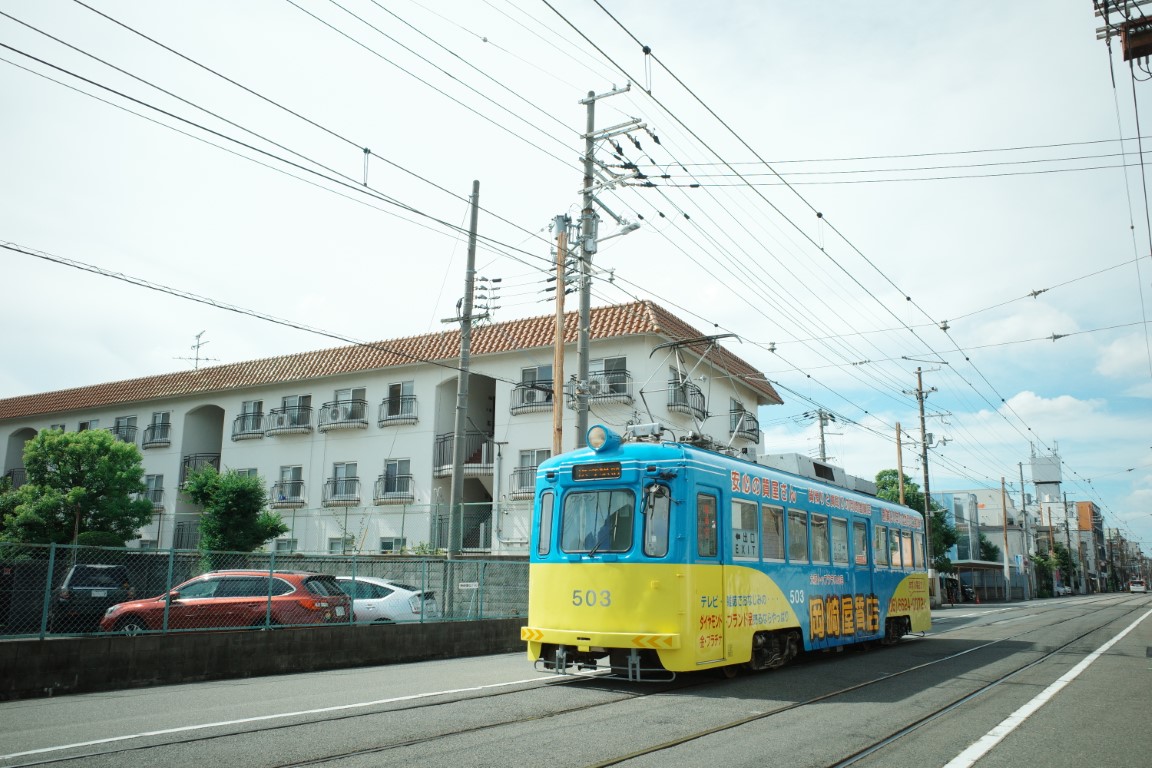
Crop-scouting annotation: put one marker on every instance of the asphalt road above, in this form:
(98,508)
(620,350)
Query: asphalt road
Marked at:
(1060,682)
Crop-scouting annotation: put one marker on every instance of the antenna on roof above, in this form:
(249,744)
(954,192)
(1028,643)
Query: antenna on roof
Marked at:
(196,347)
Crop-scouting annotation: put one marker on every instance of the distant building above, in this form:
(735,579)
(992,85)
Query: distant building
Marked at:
(357,443)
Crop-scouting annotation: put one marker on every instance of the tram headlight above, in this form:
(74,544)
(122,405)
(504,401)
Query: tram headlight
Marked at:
(600,438)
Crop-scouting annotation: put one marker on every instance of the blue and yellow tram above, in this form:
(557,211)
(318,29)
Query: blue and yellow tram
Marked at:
(654,557)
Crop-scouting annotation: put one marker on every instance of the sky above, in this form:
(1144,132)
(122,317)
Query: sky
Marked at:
(855,192)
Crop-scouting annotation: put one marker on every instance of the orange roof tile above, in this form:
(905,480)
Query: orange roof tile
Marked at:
(637,318)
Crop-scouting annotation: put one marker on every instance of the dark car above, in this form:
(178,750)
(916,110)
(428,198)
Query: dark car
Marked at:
(86,592)
(235,599)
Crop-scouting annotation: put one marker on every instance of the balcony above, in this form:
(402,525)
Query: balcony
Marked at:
(686,397)
(124,433)
(17,476)
(531,396)
(343,414)
(397,410)
(157,435)
(478,453)
(156,496)
(393,489)
(293,419)
(341,492)
(248,426)
(743,424)
(608,387)
(197,461)
(287,494)
(522,482)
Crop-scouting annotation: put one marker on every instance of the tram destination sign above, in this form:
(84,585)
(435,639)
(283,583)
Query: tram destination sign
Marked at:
(608,470)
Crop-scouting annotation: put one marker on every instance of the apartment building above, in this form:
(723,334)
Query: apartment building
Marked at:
(357,443)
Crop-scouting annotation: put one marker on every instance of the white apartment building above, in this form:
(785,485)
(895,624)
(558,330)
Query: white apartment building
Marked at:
(356,443)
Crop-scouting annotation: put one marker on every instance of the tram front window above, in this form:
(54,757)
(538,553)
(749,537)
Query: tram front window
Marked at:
(597,521)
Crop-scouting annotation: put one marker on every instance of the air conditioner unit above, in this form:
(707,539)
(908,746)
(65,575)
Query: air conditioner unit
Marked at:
(337,413)
(595,386)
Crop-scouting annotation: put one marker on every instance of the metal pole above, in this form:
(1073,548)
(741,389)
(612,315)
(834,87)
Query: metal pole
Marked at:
(924,461)
(587,248)
(899,462)
(1004,506)
(458,442)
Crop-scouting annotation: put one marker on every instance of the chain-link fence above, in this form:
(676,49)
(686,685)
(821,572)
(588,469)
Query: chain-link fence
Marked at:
(62,589)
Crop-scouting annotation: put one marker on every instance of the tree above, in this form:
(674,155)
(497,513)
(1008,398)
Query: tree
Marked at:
(941,531)
(989,552)
(235,518)
(82,487)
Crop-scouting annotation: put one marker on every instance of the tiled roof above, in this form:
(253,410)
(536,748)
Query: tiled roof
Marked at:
(638,318)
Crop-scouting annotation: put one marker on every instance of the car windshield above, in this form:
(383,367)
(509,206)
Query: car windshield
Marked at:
(597,521)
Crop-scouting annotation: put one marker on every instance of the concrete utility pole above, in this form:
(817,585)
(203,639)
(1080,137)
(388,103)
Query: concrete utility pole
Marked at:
(899,462)
(458,441)
(920,397)
(589,223)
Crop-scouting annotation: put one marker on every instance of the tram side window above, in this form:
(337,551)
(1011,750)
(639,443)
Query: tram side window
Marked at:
(880,546)
(839,541)
(705,525)
(797,536)
(860,541)
(772,531)
(906,548)
(544,542)
(597,521)
(894,548)
(745,541)
(656,510)
(918,549)
(820,552)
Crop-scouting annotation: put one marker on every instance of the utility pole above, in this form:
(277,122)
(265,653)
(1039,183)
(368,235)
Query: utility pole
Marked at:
(920,397)
(589,223)
(458,441)
(1004,506)
(822,419)
(561,224)
(900,462)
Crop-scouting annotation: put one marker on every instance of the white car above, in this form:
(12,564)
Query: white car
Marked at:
(1063,590)
(379,600)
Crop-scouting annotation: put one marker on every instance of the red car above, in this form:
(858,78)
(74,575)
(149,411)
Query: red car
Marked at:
(235,599)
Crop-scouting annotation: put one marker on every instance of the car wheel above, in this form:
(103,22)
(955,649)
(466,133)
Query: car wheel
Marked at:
(131,626)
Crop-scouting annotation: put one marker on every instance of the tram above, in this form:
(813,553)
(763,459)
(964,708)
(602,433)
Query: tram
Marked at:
(651,557)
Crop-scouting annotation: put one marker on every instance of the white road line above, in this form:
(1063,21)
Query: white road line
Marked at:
(223,723)
(969,756)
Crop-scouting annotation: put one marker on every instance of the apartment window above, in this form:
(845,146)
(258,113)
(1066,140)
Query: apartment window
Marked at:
(392,545)
(58,427)
(286,546)
(91,424)
(147,544)
(158,433)
(247,472)
(251,416)
(401,399)
(540,375)
(344,479)
(125,428)
(397,475)
(611,373)
(154,489)
(341,546)
(297,410)
(290,487)
(349,404)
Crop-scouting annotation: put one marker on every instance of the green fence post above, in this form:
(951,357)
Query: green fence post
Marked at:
(47,604)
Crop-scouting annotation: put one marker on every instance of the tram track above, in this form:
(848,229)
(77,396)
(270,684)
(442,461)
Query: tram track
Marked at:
(622,693)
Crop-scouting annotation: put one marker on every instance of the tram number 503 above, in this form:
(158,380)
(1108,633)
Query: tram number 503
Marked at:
(796,596)
(590,598)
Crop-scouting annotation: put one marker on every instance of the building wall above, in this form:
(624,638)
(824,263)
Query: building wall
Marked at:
(203,423)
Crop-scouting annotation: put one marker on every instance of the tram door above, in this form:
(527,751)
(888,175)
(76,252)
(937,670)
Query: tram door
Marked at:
(708,579)
(864,571)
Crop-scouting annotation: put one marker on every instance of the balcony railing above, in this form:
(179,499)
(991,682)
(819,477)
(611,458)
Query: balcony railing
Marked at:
(743,424)
(196,461)
(522,482)
(17,476)
(397,410)
(607,386)
(157,435)
(342,492)
(686,397)
(125,433)
(393,489)
(248,426)
(478,454)
(532,396)
(287,494)
(343,414)
(289,420)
